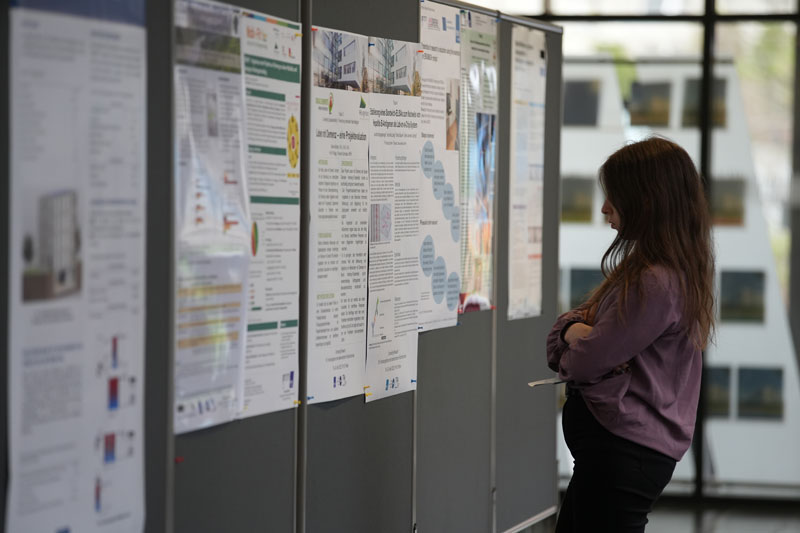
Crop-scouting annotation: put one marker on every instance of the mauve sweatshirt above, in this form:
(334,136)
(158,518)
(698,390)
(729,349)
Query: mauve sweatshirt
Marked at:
(655,404)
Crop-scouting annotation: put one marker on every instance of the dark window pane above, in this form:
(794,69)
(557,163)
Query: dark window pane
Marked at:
(581,283)
(761,393)
(727,202)
(691,103)
(742,296)
(581,100)
(649,105)
(718,391)
(577,198)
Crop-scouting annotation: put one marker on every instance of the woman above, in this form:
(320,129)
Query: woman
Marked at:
(631,354)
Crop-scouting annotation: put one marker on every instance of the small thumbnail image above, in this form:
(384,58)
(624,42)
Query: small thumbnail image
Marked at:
(51,246)
(380,223)
(453,113)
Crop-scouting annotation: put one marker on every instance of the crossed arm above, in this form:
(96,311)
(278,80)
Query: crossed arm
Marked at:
(586,353)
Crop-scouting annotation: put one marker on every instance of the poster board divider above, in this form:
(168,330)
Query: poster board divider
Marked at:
(159,365)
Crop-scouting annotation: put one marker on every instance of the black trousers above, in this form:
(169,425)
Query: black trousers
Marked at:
(615,482)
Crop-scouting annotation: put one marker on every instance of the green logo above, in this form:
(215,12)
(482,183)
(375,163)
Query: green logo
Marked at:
(330,104)
(363,104)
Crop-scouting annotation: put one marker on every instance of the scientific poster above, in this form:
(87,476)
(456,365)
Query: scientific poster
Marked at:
(440,195)
(396,252)
(211,215)
(77,267)
(271,57)
(478,131)
(339,206)
(528,83)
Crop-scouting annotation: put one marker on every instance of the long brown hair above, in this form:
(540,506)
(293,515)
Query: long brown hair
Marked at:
(665,220)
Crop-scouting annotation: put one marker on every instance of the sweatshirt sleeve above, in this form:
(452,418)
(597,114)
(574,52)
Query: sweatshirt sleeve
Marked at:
(614,341)
(555,345)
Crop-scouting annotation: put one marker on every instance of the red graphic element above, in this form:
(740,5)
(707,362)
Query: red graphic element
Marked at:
(228,223)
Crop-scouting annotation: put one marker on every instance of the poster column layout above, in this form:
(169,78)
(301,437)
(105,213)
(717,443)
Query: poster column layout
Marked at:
(77,269)
(440,195)
(271,56)
(528,83)
(212,231)
(396,252)
(339,208)
(478,133)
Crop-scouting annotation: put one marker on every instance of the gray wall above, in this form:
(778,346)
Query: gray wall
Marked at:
(473,449)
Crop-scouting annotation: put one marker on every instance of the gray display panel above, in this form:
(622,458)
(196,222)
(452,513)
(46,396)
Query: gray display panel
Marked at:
(526,418)
(239,476)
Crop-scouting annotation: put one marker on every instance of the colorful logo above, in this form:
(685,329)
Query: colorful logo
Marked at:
(330,104)
(292,142)
(363,104)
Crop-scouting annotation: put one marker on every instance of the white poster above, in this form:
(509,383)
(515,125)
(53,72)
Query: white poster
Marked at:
(440,196)
(528,77)
(211,214)
(478,132)
(396,254)
(77,269)
(339,206)
(271,62)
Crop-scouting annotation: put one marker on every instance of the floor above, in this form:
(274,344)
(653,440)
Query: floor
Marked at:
(673,517)
(676,516)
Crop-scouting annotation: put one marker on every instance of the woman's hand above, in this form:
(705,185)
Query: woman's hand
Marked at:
(576,331)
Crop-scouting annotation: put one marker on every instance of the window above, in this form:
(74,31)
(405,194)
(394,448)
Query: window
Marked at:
(582,281)
(742,296)
(401,72)
(350,68)
(691,103)
(581,100)
(761,393)
(577,199)
(350,48)
(718,391)
(727,202)
(649,104)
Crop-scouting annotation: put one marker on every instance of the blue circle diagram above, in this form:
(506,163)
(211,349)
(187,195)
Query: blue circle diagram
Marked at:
(438,180)
(455,224)
(453,290)
(448,201)
(427,253)
(439,280)
(427,159)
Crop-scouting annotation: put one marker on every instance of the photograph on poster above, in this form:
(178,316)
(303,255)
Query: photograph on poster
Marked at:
(51,245)
(482,194)
(393,68)
(453,113)
(339,61)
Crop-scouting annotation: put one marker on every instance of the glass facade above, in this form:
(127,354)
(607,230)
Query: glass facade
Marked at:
(636,68)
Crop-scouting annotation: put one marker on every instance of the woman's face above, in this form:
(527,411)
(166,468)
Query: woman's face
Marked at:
(612,215)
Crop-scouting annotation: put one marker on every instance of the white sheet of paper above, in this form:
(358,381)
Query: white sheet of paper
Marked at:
(548,381)
(212,222)
(339,206)
(77,271)
(526,180)
(271,64)
(396,259)
(440,195)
